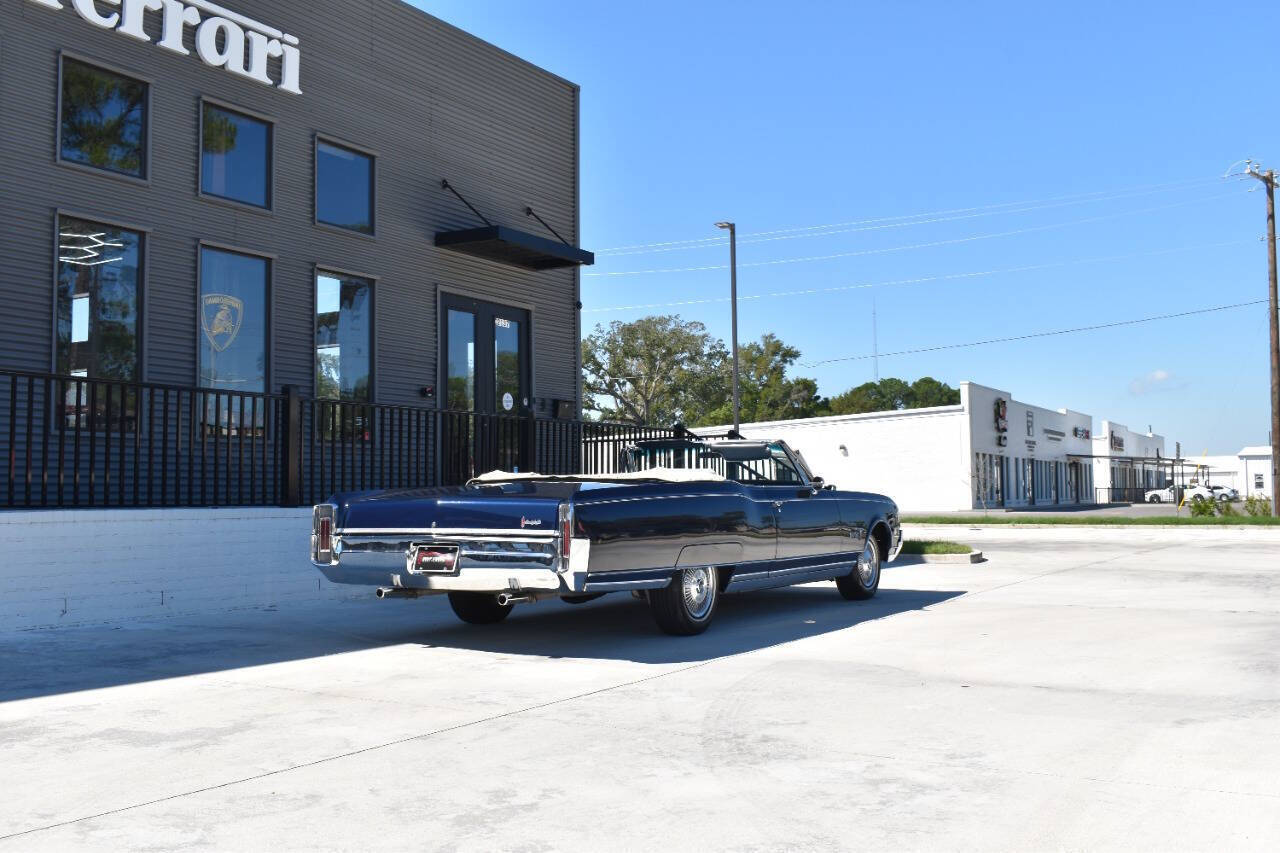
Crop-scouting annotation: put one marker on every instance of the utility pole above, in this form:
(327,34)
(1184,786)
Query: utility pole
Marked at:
(875,338)
(1268,179)
(733,299)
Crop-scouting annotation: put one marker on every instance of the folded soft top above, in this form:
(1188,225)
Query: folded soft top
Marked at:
(667,475)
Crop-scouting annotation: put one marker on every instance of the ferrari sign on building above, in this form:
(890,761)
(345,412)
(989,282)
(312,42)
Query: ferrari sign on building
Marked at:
(223,38)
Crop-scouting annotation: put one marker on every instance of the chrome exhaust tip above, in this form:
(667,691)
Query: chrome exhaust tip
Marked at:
(505,599)
(397,592)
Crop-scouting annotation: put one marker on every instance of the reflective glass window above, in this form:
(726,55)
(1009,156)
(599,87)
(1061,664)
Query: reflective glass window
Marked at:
(233,320)
(461,393)
(104,119)
(506,365)
(235,156)
(344,188)
(344,333)
(99,279)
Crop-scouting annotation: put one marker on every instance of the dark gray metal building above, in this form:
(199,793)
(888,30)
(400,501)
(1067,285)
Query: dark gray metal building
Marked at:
(356,199)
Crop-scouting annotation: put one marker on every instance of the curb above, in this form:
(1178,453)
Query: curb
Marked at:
(955,559)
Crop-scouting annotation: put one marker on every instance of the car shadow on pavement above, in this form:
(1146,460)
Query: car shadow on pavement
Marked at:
(68,660)
(619,627)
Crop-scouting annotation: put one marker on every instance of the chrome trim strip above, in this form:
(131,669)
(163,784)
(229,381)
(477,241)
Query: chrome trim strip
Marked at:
(450,532)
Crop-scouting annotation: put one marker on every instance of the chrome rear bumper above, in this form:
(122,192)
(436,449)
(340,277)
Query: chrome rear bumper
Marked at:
(488,561)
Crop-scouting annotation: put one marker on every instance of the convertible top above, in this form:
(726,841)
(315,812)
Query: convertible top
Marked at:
(663,475)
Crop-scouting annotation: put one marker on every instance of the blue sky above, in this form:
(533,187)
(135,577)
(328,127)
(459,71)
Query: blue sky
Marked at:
(1096,132)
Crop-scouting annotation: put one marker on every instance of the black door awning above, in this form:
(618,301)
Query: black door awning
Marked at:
(515,248)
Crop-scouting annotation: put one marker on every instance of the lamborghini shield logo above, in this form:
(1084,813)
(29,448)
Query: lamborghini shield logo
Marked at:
(220,317)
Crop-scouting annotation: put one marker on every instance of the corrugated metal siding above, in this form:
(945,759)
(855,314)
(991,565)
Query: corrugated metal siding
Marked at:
(430,100)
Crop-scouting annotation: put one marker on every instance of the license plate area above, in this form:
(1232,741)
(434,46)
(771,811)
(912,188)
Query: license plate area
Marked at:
(433,559)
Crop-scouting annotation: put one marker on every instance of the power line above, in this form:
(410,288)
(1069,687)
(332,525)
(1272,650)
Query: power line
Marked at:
(1170,184)
(932,244)
(865,225)
(1054,333)
(812,291)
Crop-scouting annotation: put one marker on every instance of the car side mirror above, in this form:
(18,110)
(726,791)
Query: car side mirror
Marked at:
(818,483)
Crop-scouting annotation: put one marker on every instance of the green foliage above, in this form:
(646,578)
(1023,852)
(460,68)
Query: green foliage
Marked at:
(1226,510)
(929,546)
(655,370)
(766,392)
(660,370)
(1203,508)
(1257,506)
(890,393)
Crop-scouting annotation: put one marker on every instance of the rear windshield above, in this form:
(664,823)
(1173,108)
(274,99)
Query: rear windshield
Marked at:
(755,464)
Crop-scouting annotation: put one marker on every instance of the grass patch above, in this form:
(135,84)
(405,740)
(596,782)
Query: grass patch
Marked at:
(1099,520)
(926,546)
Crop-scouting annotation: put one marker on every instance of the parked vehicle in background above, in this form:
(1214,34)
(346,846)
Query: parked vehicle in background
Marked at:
(1197,493)
(1225,493)
(687,521)
(1165,495)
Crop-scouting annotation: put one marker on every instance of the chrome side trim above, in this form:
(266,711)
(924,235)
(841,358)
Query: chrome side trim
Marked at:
(475,533)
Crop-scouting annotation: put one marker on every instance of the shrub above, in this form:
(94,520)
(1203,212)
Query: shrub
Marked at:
(1256,505)
(1203,508)
(1226,510)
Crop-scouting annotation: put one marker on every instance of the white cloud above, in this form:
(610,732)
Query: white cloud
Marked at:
(1156,380)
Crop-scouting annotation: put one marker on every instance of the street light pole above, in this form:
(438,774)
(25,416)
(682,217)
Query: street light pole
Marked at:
(1268,179)
(733,300)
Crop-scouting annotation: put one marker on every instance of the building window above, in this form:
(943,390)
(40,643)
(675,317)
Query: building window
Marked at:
(344,334)
(344,187)
(235,156)
(1257,482)
(99,276)
(103,121)
(233,320)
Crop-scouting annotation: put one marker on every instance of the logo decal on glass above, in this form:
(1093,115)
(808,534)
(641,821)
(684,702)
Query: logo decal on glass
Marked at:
(221,317)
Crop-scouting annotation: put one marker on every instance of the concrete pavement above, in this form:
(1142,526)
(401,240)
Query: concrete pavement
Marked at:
(1083,689)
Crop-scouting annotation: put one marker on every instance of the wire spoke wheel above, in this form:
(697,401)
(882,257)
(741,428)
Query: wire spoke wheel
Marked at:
(864,579)
(696,588)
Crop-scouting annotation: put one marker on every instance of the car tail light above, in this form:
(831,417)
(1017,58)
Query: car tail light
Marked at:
(322,533)
(566,534)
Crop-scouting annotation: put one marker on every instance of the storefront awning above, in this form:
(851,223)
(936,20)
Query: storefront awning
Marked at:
(514,248)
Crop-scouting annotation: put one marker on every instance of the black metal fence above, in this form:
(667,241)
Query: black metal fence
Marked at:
(74,442)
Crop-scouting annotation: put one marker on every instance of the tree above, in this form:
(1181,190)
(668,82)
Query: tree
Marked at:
(889,394)
(767,394)
(655,371)
(927,391)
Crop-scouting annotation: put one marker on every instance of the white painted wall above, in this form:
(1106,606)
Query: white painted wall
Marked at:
(1034,434)
(1136,445)
(916,457)
(60,568)
(1254,461)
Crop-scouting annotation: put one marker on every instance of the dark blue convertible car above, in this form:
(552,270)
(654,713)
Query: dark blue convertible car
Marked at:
(685,521)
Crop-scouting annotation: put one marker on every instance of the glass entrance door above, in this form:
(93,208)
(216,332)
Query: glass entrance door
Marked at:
(486,367)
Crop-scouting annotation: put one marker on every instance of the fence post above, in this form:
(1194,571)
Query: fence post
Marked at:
(291,446)
(529,444)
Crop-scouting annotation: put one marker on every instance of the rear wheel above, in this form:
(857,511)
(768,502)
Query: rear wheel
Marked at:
(864,580)
(685,606)
(478,608)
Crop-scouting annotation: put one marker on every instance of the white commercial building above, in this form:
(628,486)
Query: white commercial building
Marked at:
(1127,464)
(1255,472)
(988,451)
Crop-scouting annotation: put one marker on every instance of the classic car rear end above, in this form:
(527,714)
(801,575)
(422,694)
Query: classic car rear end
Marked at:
(679,537)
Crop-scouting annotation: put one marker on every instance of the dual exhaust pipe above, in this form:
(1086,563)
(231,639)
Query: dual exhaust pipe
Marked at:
(505,599)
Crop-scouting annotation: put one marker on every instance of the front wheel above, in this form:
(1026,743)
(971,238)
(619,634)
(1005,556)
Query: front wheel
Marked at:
(1154,499)
(685,606)
(478,608)
(864,580)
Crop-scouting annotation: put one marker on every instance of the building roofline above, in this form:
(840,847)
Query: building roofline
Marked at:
(835,419)
(502,50)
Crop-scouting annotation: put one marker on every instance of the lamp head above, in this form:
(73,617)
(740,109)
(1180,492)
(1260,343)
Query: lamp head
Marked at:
(724,224)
